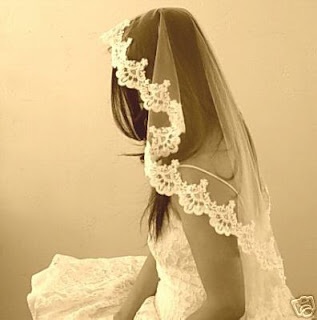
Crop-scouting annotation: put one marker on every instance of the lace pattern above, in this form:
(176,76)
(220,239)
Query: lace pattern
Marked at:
(277,308)
(195,199)
(165,141)
(181,291)
(155,96)
(72,288)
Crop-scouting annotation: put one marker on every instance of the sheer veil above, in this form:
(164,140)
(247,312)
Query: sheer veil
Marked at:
(165,96)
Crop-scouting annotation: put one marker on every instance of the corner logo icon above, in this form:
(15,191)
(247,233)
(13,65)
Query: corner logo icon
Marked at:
(304,306)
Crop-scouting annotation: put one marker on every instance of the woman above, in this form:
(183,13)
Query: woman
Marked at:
(212,250)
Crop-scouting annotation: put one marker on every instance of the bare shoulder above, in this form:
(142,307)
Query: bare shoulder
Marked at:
(217,188)
(218,164)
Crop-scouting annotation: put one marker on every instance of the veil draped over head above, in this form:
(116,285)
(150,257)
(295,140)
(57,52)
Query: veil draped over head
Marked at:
(170,95)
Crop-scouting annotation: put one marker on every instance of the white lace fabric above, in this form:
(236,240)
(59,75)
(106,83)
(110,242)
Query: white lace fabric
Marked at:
(76,289)
(81,289)
(183,292)
(72,288)
(180,291)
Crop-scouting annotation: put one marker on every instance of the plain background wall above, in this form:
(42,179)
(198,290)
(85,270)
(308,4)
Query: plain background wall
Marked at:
(63,187)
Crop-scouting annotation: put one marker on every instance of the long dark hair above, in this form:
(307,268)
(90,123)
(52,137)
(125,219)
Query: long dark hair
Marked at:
(127,110)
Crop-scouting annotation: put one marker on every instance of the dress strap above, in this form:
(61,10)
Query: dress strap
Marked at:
(211,174)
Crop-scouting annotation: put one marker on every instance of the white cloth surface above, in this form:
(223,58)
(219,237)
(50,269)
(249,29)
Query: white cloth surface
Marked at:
(94,288)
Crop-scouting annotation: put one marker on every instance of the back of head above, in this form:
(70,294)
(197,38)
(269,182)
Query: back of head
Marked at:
(196,99)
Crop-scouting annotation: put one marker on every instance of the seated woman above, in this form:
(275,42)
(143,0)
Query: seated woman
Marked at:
(213,254)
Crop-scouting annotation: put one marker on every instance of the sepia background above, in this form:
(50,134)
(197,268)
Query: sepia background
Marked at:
(65,189)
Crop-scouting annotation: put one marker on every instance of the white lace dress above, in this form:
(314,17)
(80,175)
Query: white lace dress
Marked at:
(72,288)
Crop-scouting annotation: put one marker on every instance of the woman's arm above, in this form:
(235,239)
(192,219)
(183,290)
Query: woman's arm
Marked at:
(217,256)
(145,286)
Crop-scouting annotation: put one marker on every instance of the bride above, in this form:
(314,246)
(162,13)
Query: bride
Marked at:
(213,254)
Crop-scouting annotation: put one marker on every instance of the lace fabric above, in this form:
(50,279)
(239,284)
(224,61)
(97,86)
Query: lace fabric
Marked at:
(71,288)
(81,289)
(178,272)
(180,291)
